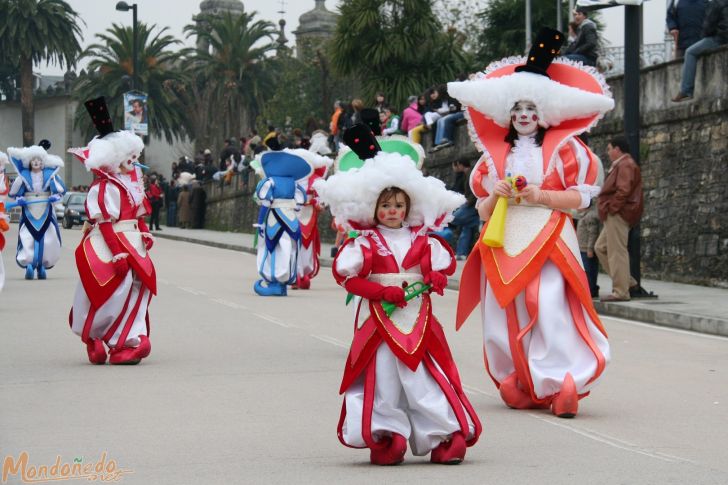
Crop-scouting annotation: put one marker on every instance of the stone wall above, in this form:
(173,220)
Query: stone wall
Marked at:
(684,157)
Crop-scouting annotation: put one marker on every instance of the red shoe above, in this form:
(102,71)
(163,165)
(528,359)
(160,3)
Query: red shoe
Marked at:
(96,351)
(131,355)
(304,283)
(391,452)
(566,403)
(514,396)
(451,452)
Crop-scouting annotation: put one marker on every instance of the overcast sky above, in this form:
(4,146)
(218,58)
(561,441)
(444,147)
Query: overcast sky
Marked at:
(175,14)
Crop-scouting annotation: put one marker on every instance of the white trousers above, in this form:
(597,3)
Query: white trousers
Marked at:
(107,314)
(51,247)
(305,260)
(280,265)
(553,347)
(408,403)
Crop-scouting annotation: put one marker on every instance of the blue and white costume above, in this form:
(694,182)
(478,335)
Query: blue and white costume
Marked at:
(36,189)
(279,231)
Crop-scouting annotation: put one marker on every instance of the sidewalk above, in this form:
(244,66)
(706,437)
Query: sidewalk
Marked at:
(688,307)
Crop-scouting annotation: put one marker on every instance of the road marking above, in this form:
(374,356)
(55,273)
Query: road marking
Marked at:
(612,441)
(227,303)
(667,329)
(162,281)
(475,390)
(331,340)
(270,319)
(192,291)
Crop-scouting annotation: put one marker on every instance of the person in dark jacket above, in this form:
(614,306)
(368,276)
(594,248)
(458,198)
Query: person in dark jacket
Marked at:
(715,34)
(198,203)
(585,48)
(685,22)
(620,206)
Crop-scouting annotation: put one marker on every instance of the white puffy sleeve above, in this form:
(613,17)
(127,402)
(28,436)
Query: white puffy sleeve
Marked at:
(349,262)
(578,168)
(440,256)
(110,201)
(17,183)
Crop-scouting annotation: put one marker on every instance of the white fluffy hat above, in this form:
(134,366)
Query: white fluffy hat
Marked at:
(108,152)
(556,102)
(352,195)
(26,154)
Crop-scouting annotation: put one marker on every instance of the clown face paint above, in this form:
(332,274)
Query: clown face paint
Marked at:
(36,164)
(128,164)
(391,212)
(524,118)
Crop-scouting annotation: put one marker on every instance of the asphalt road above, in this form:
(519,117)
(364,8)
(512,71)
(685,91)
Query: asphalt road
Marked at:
(243,389)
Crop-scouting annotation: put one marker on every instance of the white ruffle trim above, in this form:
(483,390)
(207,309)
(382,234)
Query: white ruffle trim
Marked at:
(118,257)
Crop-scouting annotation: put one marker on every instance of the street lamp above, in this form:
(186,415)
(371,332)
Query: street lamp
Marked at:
(125,7)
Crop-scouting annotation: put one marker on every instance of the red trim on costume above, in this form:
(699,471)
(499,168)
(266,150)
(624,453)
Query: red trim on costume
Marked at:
(578,315)
(112,330)
(368,407)
(469,293)
(121,342)
(509,275)
(87,324)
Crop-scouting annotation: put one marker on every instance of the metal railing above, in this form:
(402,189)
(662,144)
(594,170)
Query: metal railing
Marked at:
(611,60)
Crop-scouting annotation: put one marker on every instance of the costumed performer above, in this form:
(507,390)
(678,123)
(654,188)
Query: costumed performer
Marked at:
(4,219)
(36,189)
(280,195)
(543,341)
(400,382)
(310,249)
(117,276)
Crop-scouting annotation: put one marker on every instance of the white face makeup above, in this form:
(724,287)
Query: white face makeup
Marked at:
(128,164)
(36,164)
(524,118)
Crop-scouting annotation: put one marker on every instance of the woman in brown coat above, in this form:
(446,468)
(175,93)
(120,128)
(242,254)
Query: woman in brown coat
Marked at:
(184,209)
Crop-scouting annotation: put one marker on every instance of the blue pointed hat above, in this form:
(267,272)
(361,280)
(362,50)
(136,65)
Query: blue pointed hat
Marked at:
(285,164)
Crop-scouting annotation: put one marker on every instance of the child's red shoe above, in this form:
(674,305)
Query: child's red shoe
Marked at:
(391,452)
(131,355)
(451,452)
(96,351)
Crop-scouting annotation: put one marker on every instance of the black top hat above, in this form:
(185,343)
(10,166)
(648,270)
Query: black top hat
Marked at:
(370,117)
(44,144)
(100,116)
(543,51)
(362,141)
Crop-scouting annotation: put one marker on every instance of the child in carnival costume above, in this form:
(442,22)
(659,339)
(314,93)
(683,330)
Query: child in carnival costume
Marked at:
(280,195)
(543,341)
(4,219)
(310,250)
(36,189)
(117,276)
(400,383)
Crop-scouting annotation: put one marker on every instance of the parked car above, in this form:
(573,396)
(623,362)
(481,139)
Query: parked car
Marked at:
(75,210)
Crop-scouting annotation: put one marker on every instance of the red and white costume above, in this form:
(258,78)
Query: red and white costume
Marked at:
(310,250)
(117,276)
(539,323)
(400,379)
(4,219)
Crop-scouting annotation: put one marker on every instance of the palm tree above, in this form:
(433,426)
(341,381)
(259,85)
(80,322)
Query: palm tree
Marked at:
(35,31)
(395,46)
(158,72)
(229,76)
